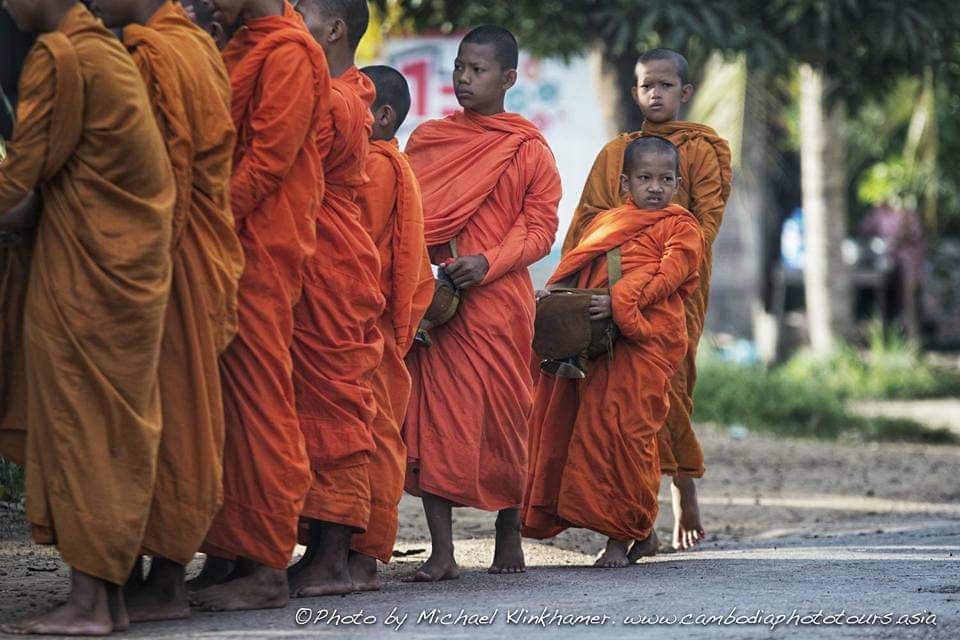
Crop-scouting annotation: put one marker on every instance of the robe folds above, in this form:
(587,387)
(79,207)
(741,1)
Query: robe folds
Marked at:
(14,277)
(706,171)
(190,93)
(97,295)
(392,213)
(492,183)
(337,345)
(281,90)
(593,442)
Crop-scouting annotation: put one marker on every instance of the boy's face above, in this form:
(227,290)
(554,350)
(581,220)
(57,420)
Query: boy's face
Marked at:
(652,181)
(659,91)
(319,25)
(26,13)
(478,79)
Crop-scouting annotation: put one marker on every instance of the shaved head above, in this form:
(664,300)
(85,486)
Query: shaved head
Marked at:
(668,55)
(392,89)
(354,13)
(504,44)
(653,145)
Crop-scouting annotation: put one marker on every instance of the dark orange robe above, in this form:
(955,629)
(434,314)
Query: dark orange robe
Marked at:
(392,212)
(706,171)
(14,277)
(491,182)
(98,289)
(337,345)
(190,93)
(281,89)
(593,442)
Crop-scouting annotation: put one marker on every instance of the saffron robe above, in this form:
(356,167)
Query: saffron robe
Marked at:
(706,171)
(491,182)
(281,89)
(190,93)
(98,288)
(337,345)
(593,442)
(392,213)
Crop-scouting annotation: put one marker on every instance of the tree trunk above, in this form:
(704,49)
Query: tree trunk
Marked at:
(826,277)
(617,76)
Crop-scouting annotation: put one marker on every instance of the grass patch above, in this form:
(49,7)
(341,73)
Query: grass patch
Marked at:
(807,397)
(11,481)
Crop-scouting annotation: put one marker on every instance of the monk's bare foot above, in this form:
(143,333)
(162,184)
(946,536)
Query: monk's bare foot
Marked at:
(327,572)
(614,556)
(687,529)
(86,613)
(363,572)
(508,552)
(163,596)
(215,571)
(304,560)
(644,548)
(257,587)
(439,566)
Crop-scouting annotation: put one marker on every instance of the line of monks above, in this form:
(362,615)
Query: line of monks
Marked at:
(214,259)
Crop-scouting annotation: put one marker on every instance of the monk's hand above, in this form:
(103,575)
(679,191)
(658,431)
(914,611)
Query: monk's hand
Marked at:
(600,308)
(467,271)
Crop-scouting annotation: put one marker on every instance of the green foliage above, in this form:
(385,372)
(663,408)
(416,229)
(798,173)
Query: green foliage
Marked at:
(808,395)
(11,481)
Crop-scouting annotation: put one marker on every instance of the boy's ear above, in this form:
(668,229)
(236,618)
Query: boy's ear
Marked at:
(338,30)
(509,79)
(635,92)
(386,117)
(686,93)
(624,183)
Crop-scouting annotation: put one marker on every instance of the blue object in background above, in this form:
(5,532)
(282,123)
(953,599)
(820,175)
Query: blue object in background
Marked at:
(791,241)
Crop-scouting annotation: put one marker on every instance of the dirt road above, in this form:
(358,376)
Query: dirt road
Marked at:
(796,528)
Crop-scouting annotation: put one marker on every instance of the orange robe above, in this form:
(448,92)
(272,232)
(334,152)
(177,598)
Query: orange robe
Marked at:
(707,174)
(337,345)
(99,284)
(593,442)
(281,88)
(190,93)
(14,273)
(491,182)
(392,212)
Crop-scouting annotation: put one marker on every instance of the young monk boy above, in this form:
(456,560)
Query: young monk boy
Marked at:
(393,214)
(190,94)
(662,87)
(490,193)
(593,443)
(337,344)
(95,307)
(281,89)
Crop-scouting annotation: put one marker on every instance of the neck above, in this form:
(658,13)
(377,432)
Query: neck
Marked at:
(54,13)
(339,61)
(491,109)
(146,10)
(262,9)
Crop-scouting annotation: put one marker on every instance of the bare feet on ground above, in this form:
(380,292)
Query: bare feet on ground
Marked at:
(614,556)
(363,572)
(215,571)
(253,587)
(86,613)
(439,566)
(687,529)
(644,548)
(326,571)
(508,553)
(163,595)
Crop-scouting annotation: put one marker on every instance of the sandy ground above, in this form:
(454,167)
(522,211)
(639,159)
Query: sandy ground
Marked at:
(791,524)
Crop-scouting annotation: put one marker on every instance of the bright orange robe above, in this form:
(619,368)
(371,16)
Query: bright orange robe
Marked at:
(99,284)
(492,183)
(392,212)
(281,88)
(707,174)
(593,442)
(337,345)
(190,93)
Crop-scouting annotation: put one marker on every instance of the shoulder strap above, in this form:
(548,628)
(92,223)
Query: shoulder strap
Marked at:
(614,267)
(453,248)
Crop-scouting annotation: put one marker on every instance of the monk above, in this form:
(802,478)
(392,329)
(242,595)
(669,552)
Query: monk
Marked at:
(392,212)
(202,15)
(94,313)
(662,87)
(281,91)
(490,184)
(190,93)
(337,345)
(593,442)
